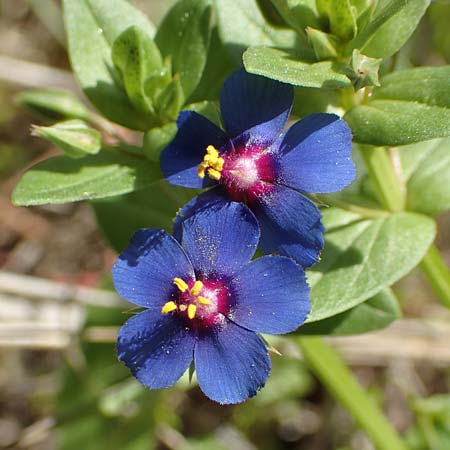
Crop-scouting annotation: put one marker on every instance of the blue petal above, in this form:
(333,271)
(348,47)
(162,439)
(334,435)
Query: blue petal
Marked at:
(317,155)
(231,363)
(221,239)
(290,225)
(256,106)
(143,274)
(271,294)
(180,159)
(157,349)
(215,197)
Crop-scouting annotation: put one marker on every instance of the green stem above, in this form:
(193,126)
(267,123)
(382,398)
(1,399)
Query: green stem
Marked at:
(382,173)
(437,274)
(329,367)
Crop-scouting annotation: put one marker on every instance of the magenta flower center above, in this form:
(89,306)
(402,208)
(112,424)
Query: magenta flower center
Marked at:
(202,303)
(246,172)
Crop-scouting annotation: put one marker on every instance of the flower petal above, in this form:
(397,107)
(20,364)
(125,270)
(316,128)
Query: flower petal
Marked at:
(232,363)
(213,197)
(271,295)
(143,274)
(156,348)
(317,155)
(180,159)
(255,104)
(290,225)
(221,239)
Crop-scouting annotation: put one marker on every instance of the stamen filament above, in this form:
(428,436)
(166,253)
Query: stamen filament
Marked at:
(168,307)
(180,284)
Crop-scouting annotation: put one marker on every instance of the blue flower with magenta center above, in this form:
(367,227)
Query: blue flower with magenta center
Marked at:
(205,301)
(254,162)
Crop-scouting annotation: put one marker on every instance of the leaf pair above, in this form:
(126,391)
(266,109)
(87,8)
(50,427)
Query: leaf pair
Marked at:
(182,38)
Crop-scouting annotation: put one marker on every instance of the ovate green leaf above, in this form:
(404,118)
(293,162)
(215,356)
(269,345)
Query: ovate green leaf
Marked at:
(137,57)
(62,179)
(184,37)
(410,106)
(54,104)
(92,26)
(242,25)
(286,67)
(390,26)
(373,314)
(363,256)
(426,169)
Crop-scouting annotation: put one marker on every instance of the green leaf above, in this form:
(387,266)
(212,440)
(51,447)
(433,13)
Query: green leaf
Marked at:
(341,16)
(410,106)
(54,104)
(298,14)
(426,168)
(72,137)
(283,66)
(92,26)
(184,36)
(62,179)
(218,68)
(147,208)
(363,256)
(324,44)
(157,139)
(242,25)
(391,25)
(137,57)
(373,314)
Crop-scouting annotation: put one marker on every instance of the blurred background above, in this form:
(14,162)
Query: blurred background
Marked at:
(61,386)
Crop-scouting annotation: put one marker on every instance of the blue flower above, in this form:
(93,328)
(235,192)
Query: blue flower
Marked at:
(256,163)
(206,301)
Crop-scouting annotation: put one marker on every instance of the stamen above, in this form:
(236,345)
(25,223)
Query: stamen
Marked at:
(196,289)
(212,162)
(214,174)
(168,307)
(192,309)
(203,300)
(180,284)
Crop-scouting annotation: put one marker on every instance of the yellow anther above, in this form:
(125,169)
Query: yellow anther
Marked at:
(183,308)
(214,174)
(168,307)
(201,169)
(196,289)
(203,300)
(180,284)
(212,162)
(212,151)
(192,309)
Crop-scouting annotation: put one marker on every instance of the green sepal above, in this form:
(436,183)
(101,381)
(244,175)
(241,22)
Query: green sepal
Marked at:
(73,137)
(363,70)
